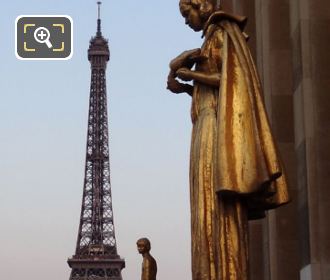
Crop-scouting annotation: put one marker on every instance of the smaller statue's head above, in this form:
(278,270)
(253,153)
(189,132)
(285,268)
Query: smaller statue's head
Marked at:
(197,12)
(143,245)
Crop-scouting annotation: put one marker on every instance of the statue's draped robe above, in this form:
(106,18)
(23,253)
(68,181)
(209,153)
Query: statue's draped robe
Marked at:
(235,172)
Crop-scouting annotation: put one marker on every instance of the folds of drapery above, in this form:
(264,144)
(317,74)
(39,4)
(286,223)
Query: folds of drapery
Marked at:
(247,161)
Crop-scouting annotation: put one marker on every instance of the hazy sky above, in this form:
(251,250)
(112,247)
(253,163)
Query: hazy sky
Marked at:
(43,122)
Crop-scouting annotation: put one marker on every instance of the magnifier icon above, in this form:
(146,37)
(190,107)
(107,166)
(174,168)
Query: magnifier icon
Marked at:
(42,35)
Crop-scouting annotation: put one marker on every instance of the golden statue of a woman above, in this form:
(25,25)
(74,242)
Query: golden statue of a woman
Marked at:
(235,172)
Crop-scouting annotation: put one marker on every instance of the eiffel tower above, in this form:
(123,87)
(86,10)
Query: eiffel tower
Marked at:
(96,254)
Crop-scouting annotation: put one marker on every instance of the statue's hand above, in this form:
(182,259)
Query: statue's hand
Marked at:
(185,59)
(184,74)
(177,87)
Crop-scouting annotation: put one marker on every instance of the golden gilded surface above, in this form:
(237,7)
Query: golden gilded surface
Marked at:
(235,172)
(149,265)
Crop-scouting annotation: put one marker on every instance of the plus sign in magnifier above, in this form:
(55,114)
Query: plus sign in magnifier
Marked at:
(42,35)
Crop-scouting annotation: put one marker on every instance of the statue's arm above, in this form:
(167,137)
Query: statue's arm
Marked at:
(208,73)
(177,87)
(210,79)
(146,275)
(186,59)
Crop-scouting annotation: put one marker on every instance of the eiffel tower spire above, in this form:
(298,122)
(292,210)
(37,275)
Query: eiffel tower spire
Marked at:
(99,33)
(96,250)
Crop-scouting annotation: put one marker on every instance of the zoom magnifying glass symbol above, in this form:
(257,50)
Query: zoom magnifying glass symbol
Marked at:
(42,35)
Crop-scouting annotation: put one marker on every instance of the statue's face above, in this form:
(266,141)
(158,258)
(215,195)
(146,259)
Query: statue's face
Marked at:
(142,247)
(191,13)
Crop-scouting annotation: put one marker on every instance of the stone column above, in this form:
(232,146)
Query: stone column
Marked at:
(273,241)
(258,230)
(274,60)
(289,42)
(310,33)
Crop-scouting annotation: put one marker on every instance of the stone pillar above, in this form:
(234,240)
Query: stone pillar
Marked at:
(310,33)
(274,57)
(289,42)
(258,230)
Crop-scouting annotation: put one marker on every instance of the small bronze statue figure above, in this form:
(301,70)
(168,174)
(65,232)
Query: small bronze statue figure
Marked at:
(149,265)
(235,171)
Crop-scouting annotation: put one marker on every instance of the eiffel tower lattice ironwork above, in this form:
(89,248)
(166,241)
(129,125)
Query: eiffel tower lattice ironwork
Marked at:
(96,250)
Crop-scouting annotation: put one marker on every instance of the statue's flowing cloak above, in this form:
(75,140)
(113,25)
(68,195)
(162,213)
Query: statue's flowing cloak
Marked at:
(247,161)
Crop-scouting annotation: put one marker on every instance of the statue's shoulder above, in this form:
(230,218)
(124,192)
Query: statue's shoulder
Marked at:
(222,20)
(149,259)
(220,16)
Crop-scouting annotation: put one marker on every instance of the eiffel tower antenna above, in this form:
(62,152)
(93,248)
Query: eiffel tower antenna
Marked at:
(99,33)
(99,9)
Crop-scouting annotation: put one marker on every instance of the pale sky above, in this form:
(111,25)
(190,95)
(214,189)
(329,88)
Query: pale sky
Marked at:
(43,122)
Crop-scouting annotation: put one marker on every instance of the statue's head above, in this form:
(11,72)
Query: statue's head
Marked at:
(143,245)
(196,12)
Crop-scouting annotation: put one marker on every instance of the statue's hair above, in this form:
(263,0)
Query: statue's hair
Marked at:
(146,242)
(206,7)
(216,3)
